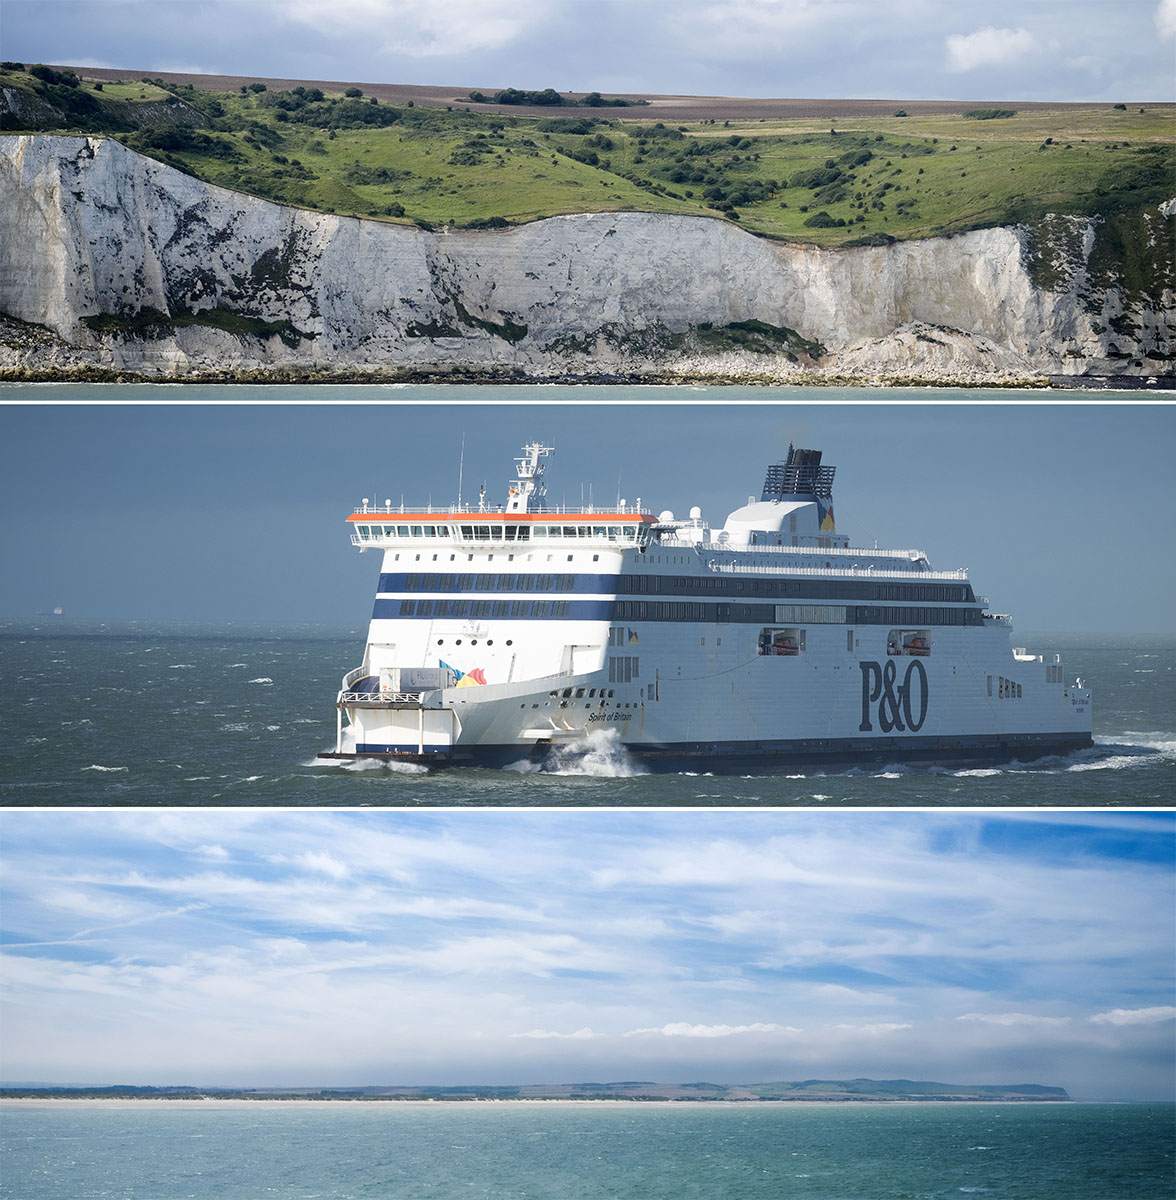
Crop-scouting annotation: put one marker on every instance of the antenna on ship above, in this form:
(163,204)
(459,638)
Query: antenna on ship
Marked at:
(460,469)
(528,484)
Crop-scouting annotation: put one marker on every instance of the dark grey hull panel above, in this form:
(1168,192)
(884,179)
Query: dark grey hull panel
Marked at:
(767,758)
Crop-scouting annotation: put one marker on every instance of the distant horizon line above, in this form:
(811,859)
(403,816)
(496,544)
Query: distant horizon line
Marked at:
(62,618)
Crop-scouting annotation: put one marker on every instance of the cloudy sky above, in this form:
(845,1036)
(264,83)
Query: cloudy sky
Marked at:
(255,947)
(236,497)
(903,49)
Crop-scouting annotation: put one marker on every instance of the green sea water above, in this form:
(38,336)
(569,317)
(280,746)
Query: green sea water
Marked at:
(349,1151)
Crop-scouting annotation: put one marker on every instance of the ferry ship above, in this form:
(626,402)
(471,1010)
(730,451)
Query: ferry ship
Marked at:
(501,633)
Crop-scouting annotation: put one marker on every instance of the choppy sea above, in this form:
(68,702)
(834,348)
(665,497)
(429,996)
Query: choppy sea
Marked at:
(391,1151)
(152,713)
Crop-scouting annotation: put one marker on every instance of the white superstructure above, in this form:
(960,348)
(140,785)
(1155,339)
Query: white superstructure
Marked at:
(500,632)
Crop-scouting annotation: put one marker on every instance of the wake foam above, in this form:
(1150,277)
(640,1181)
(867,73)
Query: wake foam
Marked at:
(356,765)
(601,754)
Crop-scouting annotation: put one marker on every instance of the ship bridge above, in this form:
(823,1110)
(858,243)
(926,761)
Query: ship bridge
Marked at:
(523,518)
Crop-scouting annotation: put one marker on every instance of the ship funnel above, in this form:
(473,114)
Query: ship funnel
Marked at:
(802,475)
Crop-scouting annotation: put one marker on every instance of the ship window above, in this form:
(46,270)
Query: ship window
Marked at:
(817,614)
(913,642)
(849,640)
(596,558)
(781,643)
(402,531)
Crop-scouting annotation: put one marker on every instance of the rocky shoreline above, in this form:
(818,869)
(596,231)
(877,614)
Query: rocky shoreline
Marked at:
(392,376)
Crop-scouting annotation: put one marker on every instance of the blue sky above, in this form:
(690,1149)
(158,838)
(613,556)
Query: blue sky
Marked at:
(261,947)
(238,511)
(905,49)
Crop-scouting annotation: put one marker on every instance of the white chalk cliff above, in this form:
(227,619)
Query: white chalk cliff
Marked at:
(196,278)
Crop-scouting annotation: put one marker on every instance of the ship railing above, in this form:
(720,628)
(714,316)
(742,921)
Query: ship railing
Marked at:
(853,572)
(911,556)
(353,675)
(491,510)
(998,619)
(346,697)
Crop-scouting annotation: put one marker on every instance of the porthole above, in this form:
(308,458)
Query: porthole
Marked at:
(509,642)
(440,641)
(458,642)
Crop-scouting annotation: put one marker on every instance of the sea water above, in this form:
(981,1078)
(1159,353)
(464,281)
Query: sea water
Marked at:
(190,713)
(249,1150)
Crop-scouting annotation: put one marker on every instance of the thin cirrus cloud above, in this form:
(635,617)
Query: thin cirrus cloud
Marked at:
(508,946)
(682,1029)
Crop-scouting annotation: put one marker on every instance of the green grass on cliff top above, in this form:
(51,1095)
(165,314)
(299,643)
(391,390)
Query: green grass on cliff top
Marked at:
(875,178)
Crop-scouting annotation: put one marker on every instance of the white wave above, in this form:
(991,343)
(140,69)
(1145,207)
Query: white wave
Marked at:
(1114,762)
(233,665)
(1152,740)
(96,767)
(601,754)
(273,728)
(181,666)
(386,764)
(978,772)
(262,679)
(370,764)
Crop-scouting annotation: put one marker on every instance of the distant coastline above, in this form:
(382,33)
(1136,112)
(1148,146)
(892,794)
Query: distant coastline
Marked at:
(809,1091)
(417,1102)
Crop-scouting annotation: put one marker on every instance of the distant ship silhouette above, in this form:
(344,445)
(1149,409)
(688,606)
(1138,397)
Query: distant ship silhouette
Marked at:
(53,612)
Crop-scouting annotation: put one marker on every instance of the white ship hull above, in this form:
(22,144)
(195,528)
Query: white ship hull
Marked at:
(765,650)
(722,706)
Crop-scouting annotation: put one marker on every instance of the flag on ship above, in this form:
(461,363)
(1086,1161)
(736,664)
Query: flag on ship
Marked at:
(632,637)
(464,678)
